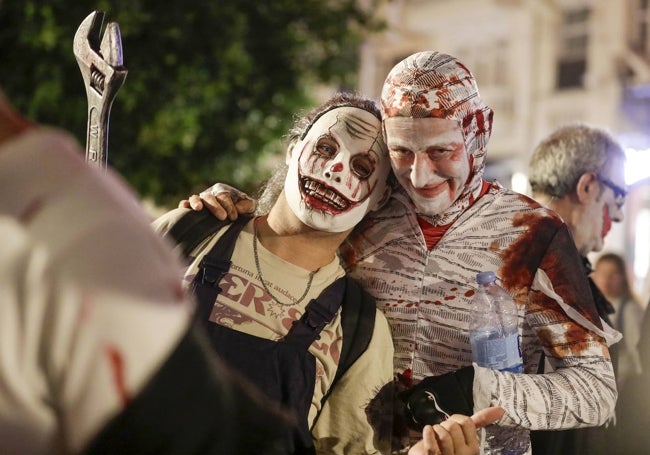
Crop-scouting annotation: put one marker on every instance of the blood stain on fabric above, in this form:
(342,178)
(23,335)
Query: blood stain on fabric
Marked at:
(116,362)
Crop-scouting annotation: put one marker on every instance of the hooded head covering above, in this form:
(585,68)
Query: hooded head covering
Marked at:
(431,84)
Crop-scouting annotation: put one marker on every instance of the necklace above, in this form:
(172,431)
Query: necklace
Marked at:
(259,272)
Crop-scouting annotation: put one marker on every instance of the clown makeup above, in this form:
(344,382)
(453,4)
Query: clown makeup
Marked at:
(607,222)
(595,224)
(612,181)
(614,197)
(338,170)
(430,161)
(421,88)
(600,211)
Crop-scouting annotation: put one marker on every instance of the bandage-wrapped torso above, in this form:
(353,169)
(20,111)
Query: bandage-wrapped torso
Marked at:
(426,297)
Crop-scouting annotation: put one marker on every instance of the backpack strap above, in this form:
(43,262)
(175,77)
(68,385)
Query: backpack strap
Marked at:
(214,264)
(193,228)
(358,323)
(318,313)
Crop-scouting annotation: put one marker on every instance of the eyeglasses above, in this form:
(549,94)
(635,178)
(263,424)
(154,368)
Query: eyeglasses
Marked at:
(619,193)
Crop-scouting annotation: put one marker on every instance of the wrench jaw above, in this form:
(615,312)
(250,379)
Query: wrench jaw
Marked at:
(103,72)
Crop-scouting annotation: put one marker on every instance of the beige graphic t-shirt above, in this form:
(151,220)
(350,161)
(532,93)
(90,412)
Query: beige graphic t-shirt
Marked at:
(343,425)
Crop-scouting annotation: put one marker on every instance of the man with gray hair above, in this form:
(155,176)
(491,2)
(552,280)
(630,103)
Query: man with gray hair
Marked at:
(578,172)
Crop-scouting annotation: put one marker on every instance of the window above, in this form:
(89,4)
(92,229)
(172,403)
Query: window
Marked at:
(640,26)
(574,42)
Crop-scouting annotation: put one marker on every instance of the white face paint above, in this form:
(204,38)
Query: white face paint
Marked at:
(429,159)
(598,214)
(337,172)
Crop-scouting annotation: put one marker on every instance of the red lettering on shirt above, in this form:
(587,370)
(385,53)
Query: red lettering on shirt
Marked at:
(242,291)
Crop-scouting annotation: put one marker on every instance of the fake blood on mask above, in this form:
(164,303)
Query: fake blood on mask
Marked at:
(321,197)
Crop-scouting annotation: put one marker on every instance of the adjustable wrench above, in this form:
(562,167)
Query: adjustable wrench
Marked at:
(103,74)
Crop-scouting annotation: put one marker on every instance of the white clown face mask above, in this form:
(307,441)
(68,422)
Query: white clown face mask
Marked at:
(337,171)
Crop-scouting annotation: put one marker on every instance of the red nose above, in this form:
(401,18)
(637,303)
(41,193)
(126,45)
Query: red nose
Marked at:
(338,167)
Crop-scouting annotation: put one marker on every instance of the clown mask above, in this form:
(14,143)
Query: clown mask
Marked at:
(337,171)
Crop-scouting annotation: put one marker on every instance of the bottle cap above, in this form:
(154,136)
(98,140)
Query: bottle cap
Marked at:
(486,277)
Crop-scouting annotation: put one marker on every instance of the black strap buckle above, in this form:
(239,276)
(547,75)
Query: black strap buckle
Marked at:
(211,270)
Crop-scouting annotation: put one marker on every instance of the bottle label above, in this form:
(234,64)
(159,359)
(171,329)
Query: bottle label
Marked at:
(491,351)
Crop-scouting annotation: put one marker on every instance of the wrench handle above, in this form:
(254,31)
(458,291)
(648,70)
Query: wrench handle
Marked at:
(103,73)
(101,91)
(97,138)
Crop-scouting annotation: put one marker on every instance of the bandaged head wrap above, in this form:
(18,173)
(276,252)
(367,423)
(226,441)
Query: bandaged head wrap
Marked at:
(431,84)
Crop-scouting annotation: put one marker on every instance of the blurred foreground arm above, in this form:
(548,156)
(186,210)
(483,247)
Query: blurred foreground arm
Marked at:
(94,324)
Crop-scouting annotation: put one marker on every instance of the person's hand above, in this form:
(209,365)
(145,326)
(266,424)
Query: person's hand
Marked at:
(219,201)
(456,435)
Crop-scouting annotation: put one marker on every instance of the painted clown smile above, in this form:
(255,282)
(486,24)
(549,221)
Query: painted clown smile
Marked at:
(322,197)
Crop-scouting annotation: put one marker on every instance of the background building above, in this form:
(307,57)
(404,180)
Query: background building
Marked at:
(539,64)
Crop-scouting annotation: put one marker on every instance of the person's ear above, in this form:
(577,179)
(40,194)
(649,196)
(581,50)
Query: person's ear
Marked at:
(587,187)
(290,148)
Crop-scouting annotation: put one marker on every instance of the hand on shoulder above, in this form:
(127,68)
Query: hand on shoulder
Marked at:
(223,201)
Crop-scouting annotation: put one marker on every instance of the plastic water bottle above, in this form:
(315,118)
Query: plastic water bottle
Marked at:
(494,333)
(494,337)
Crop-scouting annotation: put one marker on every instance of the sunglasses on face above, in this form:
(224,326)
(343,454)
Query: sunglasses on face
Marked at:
(619,193)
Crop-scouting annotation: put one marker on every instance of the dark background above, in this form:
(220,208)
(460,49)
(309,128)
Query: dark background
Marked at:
(211,85)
